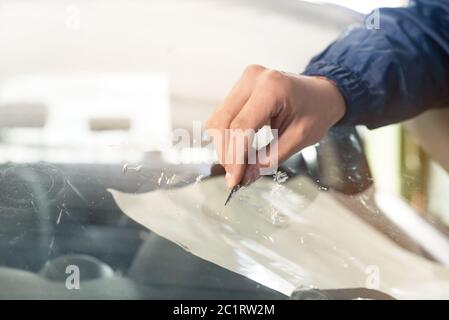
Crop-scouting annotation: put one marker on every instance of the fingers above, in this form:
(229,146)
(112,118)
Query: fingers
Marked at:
(231,106)
(279,150)
(254,115)
(301,108)
(252,103)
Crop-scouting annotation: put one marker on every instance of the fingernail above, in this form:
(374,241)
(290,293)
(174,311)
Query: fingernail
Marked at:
(228,177)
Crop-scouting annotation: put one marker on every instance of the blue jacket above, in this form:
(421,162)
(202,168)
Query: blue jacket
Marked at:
(395,72)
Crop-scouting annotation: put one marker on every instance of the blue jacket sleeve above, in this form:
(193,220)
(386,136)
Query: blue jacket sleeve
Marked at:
(394,72)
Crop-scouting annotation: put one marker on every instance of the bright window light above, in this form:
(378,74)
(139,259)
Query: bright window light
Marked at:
(365,6)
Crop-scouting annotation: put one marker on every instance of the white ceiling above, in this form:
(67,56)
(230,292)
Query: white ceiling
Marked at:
(202,45)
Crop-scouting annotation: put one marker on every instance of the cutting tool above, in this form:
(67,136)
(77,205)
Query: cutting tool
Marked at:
(234,190)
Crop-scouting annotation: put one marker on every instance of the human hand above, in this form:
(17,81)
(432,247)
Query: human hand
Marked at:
(301,108)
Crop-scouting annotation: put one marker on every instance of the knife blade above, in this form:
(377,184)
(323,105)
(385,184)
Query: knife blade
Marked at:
(234,190)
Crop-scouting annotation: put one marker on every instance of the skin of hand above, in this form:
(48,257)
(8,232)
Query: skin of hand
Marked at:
(301,108)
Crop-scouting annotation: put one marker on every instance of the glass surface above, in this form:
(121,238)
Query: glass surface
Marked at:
(92,97)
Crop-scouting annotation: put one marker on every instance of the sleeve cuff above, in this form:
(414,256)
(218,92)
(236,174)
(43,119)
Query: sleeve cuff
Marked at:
(354,90)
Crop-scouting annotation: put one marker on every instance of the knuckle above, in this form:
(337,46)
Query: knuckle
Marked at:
(273,77)
(253,70)
(279,84)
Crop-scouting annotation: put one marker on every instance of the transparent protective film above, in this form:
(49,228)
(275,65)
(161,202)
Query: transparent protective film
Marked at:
(284,236)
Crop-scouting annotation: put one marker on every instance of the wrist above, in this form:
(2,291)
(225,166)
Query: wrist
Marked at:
(326,93)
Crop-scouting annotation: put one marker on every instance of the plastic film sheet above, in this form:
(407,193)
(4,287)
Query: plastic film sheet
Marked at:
(284,236)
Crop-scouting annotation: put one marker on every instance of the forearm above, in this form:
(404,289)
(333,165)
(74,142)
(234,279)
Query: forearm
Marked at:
(394,73)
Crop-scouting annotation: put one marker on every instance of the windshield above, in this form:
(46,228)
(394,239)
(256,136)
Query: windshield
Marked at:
(110,189)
